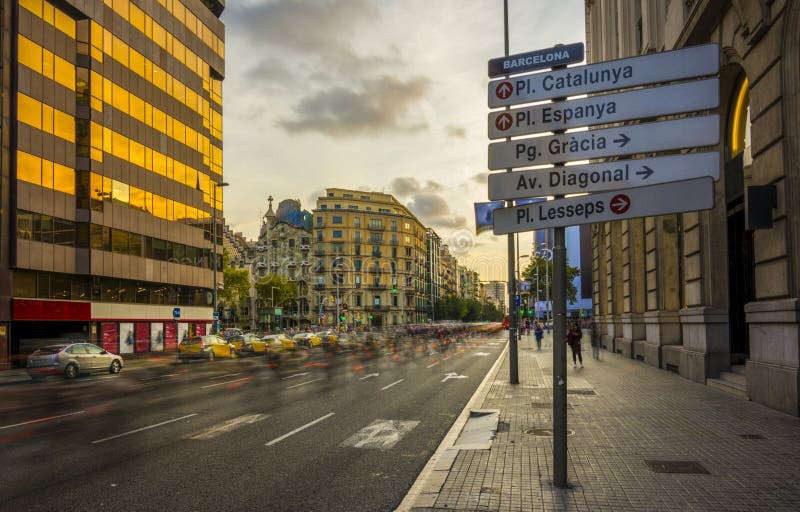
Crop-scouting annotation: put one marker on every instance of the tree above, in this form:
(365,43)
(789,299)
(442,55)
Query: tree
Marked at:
(544,267)
(276,288)
(236,282)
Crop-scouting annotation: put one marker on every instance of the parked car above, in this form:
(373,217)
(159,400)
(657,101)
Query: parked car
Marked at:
(209,347)
(72,359)
(249,344)
(230,332)
(307,340)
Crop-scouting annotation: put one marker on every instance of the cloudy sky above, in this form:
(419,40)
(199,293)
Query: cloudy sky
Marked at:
(386,95)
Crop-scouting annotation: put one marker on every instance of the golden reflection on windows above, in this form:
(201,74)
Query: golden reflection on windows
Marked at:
(50,15)
(44,117)
(42,172)
(29,54)
(120,192)
(45,62)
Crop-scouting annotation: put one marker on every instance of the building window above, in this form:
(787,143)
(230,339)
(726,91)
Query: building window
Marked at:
(375,224)
(358,282)
(352,207)
(337,233)
(376,238)
(394,302)
(357,249)
(357,236)
(347,196)
(359,300)
(319,236)
(376,251)
(337,206)
(408,252)
(357,264)
(319,222)
(356,222)
(408,266)
(394,225)
(337,219)
(376,300)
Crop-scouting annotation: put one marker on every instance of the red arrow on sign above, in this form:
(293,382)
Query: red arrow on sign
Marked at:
(503,90)
(620,204)
(503,122)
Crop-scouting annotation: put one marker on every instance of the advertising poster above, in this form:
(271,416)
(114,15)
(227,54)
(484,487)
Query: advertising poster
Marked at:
(156,337)
(109,337)
(200,329)
(142,336)
(170,336)
(183,331)
(126,340)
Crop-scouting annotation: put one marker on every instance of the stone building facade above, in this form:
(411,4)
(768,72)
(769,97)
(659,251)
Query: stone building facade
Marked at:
(700,293)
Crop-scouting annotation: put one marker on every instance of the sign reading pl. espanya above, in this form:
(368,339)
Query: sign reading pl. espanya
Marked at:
(605,109)
(675,197)
(538,59)
(604,76)
(623,140)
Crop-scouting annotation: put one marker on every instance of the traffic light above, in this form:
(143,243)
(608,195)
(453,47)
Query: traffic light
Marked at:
(370,316)
(394,288)
(341,318)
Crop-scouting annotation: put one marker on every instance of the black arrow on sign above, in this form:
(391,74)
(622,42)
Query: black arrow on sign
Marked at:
(624,139)
(647,172)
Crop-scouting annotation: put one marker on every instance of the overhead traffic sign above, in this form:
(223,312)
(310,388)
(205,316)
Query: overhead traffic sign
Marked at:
(674,197)
(616,175)
(604,76)
(539,59)
(623,140)
(604,109)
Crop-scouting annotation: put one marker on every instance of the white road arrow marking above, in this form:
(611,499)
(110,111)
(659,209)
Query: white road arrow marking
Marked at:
(369,376)
(453,375)
(380,434)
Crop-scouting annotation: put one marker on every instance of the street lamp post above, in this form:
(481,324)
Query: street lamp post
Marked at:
(214,250)
(519,287)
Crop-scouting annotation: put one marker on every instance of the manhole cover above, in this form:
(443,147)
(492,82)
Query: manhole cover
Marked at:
(545,432)
(586,392)
(686,467)
(751,436)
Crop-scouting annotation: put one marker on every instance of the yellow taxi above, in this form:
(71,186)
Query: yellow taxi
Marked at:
(249,344)
(307,340)
(208,347)
(278,342)
(328,337)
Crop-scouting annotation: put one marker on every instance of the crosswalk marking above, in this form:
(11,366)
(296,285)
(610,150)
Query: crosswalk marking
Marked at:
(228,426)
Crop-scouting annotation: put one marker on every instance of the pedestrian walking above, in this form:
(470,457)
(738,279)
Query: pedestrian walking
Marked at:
(574,341)
(527,326)
(538,332)
(595,339)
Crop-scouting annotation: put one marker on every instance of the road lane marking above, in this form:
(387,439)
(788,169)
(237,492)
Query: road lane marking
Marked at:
(295,375)
(299,429)
(484,354)
(380,434)
(304,383)
(392,384)
(223,383)
(453,375)
(433,364)
(143,428)
(369,376)
(40,420)
(226,375)
(228,426)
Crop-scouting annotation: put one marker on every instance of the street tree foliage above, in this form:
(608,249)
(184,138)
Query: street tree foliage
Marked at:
(452,307)
(236,286)
(544,267)
(278,288)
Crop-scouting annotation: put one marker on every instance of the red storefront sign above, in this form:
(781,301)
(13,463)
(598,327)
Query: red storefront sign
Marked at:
(110,337)
(32,309)
(170,336)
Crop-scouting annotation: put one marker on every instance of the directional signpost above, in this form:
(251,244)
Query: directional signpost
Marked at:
(615,175)
(539,59)
(621,189)
(604,142)
(674,197)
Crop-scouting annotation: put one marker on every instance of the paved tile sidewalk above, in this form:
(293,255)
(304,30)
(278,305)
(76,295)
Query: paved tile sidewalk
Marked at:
(624,413)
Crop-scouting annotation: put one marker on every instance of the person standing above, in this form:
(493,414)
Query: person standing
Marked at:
(595,339)
(574,342)
(538,332)
(527,326)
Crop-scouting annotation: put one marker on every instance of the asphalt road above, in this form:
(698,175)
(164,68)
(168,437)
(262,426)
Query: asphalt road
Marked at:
(324,434)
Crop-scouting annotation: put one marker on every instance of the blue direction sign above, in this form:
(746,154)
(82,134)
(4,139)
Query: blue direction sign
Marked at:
(538,59)
(176,313)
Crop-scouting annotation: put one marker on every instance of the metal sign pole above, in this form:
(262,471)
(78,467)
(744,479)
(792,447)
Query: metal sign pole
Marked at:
(513,356)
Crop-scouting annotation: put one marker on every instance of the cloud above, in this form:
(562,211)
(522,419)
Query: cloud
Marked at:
(378,106)
(479,178)
(456,132)
(433,210)
(404,187)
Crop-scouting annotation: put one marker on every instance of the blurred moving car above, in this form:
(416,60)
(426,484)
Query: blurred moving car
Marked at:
(249,344)
(279,342)
(306,340)
(72,359)
(209,347)
(230,332)
(328,337)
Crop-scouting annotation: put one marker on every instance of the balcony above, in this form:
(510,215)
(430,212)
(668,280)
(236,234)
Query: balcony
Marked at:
(274,264)
(318,286)
(373,286)
(305,263)
(291,264)
(305,247)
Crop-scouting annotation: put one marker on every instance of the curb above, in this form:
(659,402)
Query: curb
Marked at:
(426,487)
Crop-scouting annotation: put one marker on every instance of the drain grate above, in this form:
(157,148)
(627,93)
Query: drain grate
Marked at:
(545,432)
(751,436)
(685,467)
(584,392)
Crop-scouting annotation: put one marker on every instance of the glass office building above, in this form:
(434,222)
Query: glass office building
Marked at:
(111,155)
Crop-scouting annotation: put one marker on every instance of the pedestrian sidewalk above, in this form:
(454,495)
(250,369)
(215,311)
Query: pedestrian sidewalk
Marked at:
(644,439)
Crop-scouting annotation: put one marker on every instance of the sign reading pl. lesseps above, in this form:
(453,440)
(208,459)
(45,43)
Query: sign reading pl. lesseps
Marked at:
(674,197)
(539,59)
(616,175)
(603,76)
(608,108)
(623,140)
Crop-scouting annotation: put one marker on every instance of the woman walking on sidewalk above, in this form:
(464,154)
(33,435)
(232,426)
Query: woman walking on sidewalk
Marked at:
(538,332)
(574,342)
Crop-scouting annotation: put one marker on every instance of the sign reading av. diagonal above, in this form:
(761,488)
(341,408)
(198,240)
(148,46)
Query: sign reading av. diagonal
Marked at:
(674,197)
(604,76)
(608,108)
(620,174)
(624,140)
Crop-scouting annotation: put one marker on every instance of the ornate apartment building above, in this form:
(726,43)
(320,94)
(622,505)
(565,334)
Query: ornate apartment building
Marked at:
(370,260)
(111,151)
(703,294)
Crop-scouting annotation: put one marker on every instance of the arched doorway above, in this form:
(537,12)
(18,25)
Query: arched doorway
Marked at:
(738,166)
